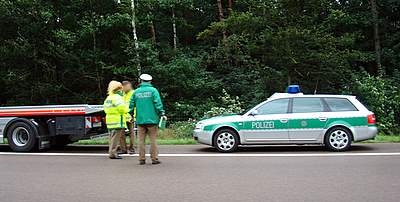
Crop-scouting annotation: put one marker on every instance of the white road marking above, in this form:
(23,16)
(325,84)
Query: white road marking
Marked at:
(212,154)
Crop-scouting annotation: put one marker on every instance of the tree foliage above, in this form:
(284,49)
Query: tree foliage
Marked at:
(67,51)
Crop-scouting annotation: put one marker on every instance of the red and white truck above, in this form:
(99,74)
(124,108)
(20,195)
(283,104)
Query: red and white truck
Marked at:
(29,128)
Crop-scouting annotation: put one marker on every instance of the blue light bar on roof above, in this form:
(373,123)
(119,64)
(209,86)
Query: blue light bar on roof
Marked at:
(293,89)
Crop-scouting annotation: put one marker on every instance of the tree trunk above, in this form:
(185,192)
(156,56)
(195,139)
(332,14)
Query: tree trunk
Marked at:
(377,41)
(174,28)
(221,16)
(230,3)
(151,26)
(135,39)
(152,32)
(98,77)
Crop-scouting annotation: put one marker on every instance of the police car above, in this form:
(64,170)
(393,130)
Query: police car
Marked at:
(292,118)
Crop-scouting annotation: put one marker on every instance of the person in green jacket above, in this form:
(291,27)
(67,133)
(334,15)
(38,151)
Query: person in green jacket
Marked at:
(147,101)
(115,109)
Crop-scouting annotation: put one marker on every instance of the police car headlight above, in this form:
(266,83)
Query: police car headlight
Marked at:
(199,126)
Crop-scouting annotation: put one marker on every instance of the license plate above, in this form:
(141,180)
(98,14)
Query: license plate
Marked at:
(95,125)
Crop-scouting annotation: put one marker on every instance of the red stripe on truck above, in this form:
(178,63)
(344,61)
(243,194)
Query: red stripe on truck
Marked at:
(41,112)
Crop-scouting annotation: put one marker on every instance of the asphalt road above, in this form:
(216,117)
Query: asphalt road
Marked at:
(51,176)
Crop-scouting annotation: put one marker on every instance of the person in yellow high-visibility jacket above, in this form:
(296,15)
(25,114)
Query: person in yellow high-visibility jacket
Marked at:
(115,109)
(128,92)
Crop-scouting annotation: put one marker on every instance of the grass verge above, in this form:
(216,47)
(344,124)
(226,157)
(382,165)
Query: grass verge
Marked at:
(164,137)
(385,139)
(104,141)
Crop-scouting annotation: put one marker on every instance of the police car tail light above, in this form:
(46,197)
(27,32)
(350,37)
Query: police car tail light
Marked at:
(371,119)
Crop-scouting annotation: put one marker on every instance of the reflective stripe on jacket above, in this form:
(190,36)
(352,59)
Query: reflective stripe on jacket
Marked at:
(115,109)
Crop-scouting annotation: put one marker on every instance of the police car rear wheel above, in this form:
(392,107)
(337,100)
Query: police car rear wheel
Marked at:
(226,140)
(338,139)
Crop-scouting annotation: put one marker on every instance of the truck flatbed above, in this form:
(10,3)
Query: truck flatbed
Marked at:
(49,110)
(29,127)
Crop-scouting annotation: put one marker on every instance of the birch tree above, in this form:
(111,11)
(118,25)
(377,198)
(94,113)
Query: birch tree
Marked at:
(175,37)
(135,39)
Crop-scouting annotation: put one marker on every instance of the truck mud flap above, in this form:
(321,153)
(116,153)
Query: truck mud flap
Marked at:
(44,142)
(99,136)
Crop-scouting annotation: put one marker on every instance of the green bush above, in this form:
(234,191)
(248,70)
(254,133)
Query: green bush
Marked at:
(183,129)
(381,95)
(230,105)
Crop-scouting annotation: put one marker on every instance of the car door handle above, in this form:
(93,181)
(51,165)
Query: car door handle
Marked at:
(323,118)
(284,120)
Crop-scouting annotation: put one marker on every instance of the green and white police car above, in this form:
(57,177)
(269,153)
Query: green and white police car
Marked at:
(292,118)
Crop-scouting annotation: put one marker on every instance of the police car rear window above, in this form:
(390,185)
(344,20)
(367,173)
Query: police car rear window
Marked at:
(340,105)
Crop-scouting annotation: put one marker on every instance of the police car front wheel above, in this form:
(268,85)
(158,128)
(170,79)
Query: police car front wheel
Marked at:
(226,140)
(338,139)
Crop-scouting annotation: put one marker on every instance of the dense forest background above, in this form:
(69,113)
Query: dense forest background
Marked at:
(202,54)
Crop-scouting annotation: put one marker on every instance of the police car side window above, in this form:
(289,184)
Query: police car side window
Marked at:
(274,107)
(307,105)
(340,104)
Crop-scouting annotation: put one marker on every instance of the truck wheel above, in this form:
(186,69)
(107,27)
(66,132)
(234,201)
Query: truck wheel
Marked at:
(226,140)
(338,139)
(21,137)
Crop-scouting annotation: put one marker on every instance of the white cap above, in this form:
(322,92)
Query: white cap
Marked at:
(145,77)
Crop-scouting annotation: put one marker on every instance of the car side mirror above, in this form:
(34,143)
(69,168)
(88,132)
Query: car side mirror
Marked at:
(254,112)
